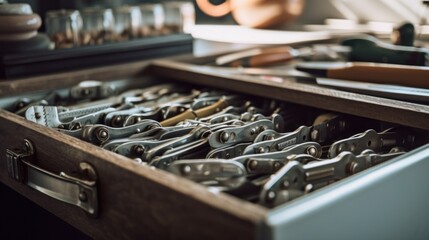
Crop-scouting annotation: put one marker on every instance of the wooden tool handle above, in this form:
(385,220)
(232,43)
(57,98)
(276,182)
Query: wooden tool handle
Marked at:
(411,76)
(212,109)
(258,57)
(188,114)
(263,60)
(199,113)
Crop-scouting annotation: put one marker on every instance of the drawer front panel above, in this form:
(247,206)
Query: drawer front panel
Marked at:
(134,202)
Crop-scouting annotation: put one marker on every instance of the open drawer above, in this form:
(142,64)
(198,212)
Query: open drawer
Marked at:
(133,201)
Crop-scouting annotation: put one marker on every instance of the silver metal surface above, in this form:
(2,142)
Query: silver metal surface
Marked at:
(210,172)
(387,201)
(241,134)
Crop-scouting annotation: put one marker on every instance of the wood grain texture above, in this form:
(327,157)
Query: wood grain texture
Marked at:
(136,202)
(394,111)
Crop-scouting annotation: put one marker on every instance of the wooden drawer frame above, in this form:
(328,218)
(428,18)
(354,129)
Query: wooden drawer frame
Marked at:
(139,202)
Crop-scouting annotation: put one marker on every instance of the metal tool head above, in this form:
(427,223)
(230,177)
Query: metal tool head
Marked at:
(222,173)
(45,115)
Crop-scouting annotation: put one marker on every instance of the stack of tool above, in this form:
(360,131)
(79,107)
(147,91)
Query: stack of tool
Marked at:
(260,150)
(361,64)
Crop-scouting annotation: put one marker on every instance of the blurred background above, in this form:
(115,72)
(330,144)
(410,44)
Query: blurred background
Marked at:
(315,11)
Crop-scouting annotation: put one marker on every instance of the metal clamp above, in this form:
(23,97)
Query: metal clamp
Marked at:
(66,188)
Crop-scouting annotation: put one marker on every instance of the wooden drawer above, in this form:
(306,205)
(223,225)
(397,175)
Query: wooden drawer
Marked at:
(136,201)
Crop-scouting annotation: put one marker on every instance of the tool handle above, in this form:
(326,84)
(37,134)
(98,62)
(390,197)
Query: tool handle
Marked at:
(258,57)
(411,76)
(188,114)
(263,60)
(370,49)
(199,113)
(212,109)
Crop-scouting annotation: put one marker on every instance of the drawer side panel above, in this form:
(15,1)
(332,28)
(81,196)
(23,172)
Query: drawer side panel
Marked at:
(388,201)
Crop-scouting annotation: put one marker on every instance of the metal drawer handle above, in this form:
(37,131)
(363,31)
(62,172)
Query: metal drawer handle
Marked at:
(73,190)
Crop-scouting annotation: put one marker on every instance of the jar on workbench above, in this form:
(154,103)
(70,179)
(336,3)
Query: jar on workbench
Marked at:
(128,21)
(98,26)
(64,27)
(179,17)
(152,19)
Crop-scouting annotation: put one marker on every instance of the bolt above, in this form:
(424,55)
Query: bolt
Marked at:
(286,184)
(353,167)
(312,151)
(277,166)
(83,197)
(77,126)
(269,137)
(261,150)
(224,137)
(262,128)
(139,150)
(271,195)
(227,155)
(253,164)
(117,120)
(37,115)
(102,135)
(186,169)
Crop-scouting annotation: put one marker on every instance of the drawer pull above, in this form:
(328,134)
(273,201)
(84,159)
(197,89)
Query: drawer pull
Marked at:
(66,188)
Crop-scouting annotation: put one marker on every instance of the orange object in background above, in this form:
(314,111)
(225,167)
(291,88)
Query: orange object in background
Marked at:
(255,13)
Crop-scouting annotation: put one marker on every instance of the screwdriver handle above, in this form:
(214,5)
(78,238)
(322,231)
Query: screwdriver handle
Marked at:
(258,57)
(370,49)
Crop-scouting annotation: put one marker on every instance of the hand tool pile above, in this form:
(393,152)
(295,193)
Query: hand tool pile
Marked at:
(257,149)
(362,64)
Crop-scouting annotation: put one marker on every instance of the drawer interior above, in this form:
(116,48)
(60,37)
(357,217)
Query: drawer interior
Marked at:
(299,106)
